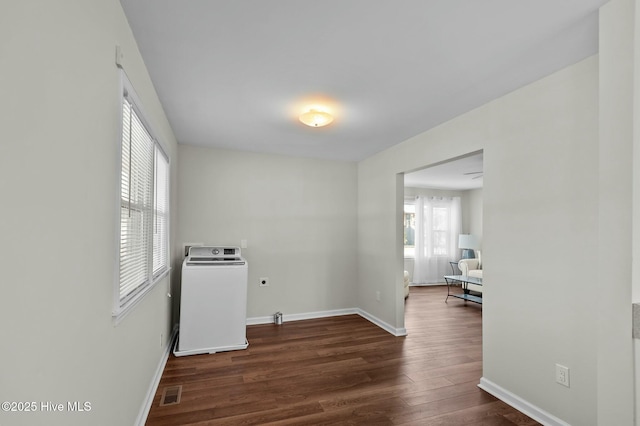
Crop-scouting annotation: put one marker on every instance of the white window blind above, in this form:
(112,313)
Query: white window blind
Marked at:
(144,208)
(161,211)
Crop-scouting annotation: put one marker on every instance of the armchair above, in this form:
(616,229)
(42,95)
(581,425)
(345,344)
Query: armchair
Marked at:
(472,268)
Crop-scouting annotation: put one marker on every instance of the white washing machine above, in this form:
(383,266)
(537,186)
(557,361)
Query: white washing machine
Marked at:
(213,301)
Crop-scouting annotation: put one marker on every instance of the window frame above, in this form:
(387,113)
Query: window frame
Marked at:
(122,306)
(436,234)
(409,251)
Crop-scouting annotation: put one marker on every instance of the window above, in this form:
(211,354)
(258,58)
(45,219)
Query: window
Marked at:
(144,207)
(409,228)
(440,224)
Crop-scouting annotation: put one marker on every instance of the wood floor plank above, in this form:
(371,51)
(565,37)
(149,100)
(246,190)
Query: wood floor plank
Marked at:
(344,370)
(448,405)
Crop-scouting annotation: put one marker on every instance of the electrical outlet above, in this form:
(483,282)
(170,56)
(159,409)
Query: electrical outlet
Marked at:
(562,375)
(378,296)
(263,282)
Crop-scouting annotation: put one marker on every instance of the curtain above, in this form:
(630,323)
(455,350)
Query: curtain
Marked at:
(438,224)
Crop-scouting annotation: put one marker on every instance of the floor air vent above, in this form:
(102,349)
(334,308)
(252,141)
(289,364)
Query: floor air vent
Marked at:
(171,395)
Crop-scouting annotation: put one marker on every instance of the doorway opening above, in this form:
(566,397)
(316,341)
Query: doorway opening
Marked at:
(442,212)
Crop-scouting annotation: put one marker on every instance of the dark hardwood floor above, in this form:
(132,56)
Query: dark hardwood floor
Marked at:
(344,370)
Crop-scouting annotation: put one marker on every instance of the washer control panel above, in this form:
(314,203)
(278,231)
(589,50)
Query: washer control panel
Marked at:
(204,251)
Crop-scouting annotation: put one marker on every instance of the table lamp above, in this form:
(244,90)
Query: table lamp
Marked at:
(467,243)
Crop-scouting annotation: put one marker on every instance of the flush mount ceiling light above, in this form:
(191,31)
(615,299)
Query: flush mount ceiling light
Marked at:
(316,118)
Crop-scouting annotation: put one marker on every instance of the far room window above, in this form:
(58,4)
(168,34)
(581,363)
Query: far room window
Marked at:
(144,207)
(440,231)
(438,223)
(409,228)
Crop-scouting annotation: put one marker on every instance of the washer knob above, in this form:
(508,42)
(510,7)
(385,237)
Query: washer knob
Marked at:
(215,251)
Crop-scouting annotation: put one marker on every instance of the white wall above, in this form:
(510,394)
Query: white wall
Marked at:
(540,202)
(635,265)
(59,159)
(615,168)
(297,215)
(473,201)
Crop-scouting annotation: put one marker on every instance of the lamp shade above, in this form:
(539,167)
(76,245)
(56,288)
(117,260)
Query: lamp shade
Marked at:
(315,118)
(467,241)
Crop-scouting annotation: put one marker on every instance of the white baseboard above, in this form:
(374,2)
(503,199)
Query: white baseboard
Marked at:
(304,316)
(319,314)
(153,387)
(260,320)
(520,404)
(383,325)
(333,313)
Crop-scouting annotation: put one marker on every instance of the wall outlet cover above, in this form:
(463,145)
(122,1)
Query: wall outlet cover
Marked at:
(562,375)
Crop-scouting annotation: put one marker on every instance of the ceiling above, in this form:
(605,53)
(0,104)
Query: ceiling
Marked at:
(236,74)
(460,174)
